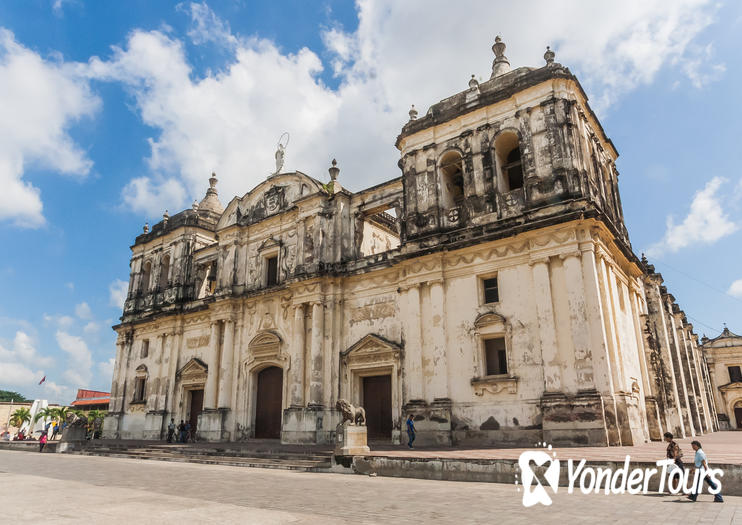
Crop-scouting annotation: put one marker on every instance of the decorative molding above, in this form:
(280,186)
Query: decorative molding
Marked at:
(494,385)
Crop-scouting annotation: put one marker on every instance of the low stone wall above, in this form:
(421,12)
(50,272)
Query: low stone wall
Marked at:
(504,470)
(28,446)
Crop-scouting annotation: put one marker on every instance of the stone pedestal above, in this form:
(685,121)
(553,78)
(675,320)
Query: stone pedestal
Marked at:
(110,426)
(73,438)
(153,424)
(211,424)
(580,419)
(351,440)
(309,425)
(432,422)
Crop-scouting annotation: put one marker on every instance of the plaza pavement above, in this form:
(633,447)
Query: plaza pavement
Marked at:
(61,488)
(720,447)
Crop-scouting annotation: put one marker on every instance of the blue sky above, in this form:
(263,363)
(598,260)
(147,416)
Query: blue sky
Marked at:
(111,113)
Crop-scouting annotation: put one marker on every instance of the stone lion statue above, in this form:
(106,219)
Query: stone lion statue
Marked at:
(73,420)
(356,415)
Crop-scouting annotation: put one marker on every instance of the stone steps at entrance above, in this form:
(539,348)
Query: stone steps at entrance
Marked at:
(260,457)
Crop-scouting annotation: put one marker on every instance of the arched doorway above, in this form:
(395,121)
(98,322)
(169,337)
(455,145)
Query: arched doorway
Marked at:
(268,403)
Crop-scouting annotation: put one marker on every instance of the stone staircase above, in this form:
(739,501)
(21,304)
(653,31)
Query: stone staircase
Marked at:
(258,455)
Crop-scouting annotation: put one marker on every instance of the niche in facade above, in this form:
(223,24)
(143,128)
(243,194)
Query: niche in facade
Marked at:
(451,171)
(509,162)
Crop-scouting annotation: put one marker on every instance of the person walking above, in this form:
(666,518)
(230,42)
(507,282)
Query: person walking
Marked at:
(187,432)
(181,432)
(171,430)
(674,452)
(410,430)
(700,462)
(42,442)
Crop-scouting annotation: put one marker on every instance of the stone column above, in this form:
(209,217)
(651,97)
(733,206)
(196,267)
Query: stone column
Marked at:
(210,390)
(578,319)
(172,369)
(116,388)
(122,369)
(315,364)
(167,341)
(546,328)
(601,363)
(413,346)
(438,383)
(225,369)
(296,371)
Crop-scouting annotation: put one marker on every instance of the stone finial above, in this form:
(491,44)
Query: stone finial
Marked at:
(549,56)
(500,65)
(195,206)
(413,112)
(473,84)
(334,170)
(212,185)
(644,259)
(165,218)
(146,227)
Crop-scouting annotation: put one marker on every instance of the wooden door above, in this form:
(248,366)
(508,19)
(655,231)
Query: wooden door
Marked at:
(197,405)
(377,401)
(738,416)
(268,409)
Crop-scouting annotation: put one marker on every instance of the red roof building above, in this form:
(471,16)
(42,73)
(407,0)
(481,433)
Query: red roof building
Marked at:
(91,399)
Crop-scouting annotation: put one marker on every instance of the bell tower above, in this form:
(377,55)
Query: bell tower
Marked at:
(506,155)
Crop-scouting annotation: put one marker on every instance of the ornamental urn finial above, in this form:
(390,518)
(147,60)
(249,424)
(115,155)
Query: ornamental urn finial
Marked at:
(413,112)
(146,227)
(334,170)
(501,65)
(549,56)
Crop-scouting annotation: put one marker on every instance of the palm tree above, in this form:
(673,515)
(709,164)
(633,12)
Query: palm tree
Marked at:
(45,413)
(20,416)
(93,416)
(61,413)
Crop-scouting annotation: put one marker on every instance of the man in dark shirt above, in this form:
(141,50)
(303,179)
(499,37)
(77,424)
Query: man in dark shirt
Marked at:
(410,430)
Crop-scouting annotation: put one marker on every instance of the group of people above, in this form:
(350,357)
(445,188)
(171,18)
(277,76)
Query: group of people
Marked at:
(699,460)
(185,432)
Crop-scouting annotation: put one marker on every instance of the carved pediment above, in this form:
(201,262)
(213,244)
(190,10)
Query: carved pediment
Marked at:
(194,367)
(269,243)
(265,343)
(488,319)
(372,346)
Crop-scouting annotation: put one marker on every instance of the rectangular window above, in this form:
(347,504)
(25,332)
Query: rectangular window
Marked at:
(495,356)
(139,388)
(735,374)
(271,270)
(145,348)
(491,293)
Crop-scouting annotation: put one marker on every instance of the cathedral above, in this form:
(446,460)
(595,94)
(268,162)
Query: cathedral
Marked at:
(490,290)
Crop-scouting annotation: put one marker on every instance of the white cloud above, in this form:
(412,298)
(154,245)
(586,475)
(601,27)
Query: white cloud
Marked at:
(19,362)
(705,223)
(106,369)
(82,311)
(80,363)
(41,99)
(117,291)
(229,121)
(206,26)
(91,328)
(735,289)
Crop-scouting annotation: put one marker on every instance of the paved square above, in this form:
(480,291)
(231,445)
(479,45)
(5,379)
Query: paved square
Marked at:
(58,488)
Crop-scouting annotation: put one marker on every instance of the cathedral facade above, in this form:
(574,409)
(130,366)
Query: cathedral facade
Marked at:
(490,290)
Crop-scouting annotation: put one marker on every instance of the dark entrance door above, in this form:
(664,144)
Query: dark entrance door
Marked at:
(738,416)
(377,401)
(197,405)
(268,403)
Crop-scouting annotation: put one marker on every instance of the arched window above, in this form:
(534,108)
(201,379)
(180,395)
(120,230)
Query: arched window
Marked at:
(452,179)
(146,272)
(510,163)
(164,272)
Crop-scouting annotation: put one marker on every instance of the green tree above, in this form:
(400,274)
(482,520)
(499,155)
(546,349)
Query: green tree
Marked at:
(9,395)
(20,416)
(60,413)
(95,416)
(48,414)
